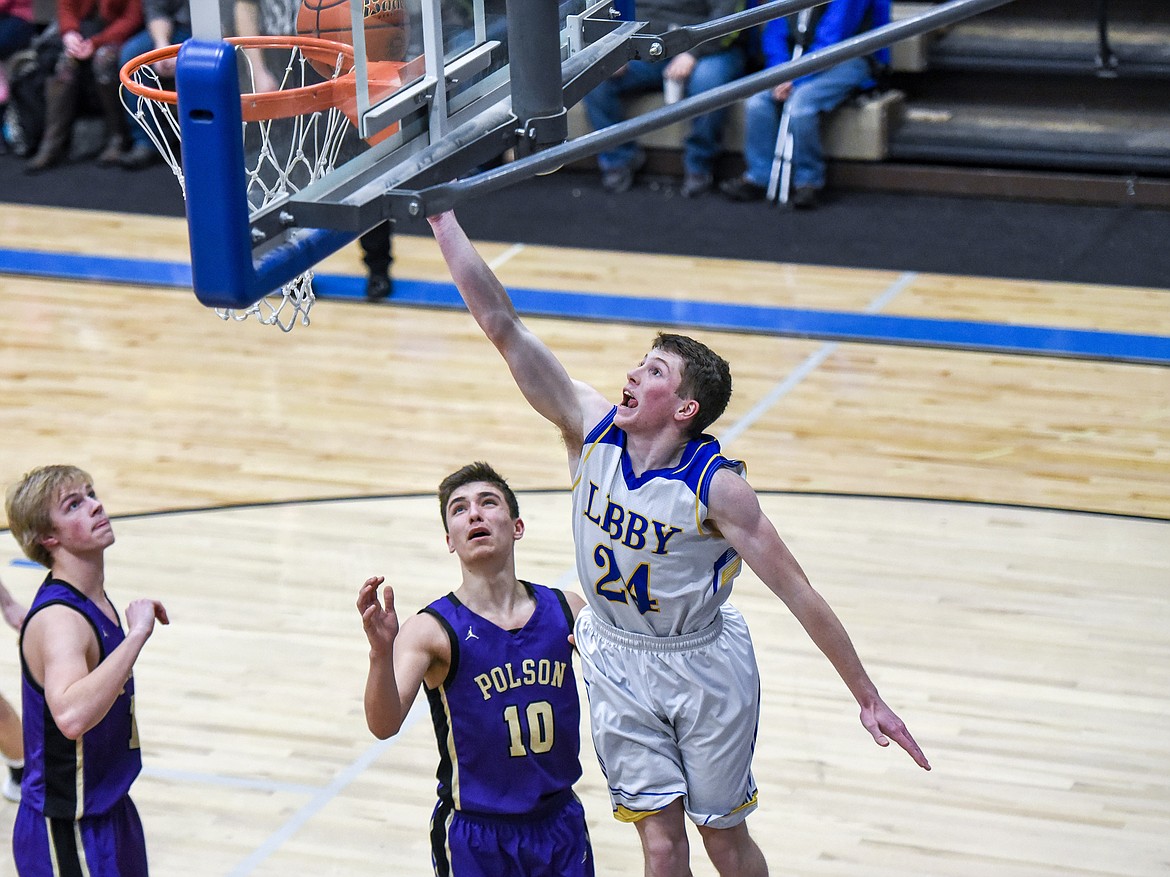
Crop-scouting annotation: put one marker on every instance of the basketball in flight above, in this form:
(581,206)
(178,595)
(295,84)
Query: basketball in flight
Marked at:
(385,25)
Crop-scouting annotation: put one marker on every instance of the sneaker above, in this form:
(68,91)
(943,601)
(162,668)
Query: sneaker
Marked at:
(742,189)
(805,197)
(621,179)
(618,179)
(379,287)
(694,185)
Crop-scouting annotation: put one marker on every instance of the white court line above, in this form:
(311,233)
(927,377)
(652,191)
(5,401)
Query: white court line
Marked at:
(506,256)
(806,368)
(322,797)
(210,779)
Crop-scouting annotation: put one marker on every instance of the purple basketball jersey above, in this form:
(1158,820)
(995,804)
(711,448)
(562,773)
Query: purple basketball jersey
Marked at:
(71,779)
(507,717)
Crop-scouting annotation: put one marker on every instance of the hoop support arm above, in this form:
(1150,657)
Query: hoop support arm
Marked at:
(658,47)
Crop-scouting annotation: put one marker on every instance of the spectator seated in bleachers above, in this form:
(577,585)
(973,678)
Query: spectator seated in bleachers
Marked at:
(806,99)
(704,67)
(91,36)
(167,22)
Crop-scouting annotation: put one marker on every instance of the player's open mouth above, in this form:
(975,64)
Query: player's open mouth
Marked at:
(628,401)
(478,533)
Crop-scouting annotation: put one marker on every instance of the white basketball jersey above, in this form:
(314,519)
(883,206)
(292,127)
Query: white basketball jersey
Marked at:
(645,559)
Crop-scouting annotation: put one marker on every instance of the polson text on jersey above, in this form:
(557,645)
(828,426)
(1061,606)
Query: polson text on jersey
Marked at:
(532,672)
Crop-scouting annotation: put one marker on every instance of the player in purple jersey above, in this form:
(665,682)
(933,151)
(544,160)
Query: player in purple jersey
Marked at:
(11,732)
(661,652)
(80,739)
(495,659)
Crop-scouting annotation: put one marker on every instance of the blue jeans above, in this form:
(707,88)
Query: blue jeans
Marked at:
(819,93)
(137,45)
(604,107)
(15,34)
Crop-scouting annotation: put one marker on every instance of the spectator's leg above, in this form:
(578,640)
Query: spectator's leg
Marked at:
(604,107)
(142,153)
(105,75)
(61,90)
(705,140)
(761,127)
(819,94)
(762,121)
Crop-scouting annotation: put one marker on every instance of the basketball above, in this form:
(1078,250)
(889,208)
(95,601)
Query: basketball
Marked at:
(385,26)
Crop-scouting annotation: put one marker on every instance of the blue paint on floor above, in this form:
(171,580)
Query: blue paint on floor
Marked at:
(789,322)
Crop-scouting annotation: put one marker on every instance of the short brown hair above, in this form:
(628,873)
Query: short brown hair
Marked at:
(29,502)
(470,474)
(706,377)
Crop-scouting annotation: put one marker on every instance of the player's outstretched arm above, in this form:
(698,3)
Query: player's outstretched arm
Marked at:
(398,659)
(538,373)
(735,510)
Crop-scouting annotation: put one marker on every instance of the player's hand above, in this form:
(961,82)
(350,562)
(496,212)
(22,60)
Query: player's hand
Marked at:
(782,92)
(141,615)
(381,624)
(884,725)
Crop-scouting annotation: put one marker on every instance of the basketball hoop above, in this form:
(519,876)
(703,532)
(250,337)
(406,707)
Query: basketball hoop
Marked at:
(293,135)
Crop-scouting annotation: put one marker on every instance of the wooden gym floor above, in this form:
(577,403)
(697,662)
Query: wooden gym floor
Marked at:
(993,528)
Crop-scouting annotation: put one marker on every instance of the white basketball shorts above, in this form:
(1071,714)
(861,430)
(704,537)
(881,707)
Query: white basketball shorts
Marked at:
(674,717)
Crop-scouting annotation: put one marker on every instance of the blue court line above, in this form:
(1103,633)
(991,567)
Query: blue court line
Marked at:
(721,316)
(98,269)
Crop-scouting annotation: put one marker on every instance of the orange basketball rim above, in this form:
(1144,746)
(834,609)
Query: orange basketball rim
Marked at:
(339,91)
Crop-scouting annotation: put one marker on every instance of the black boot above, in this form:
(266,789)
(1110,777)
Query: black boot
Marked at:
(113,113)
(378,256)
(60,111)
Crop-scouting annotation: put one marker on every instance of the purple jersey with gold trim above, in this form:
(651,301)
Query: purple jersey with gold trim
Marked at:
(507,716)
(70,779)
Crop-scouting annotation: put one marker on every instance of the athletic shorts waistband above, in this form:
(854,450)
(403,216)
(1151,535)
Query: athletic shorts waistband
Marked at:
(547,809)
(645,642)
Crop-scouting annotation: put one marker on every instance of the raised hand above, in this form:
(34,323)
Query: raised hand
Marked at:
(381,624)
(142,613)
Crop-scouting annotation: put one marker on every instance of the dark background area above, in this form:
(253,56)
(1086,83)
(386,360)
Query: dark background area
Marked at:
(1127,246)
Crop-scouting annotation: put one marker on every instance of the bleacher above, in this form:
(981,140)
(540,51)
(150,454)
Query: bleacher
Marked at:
(1035,99)
(1028,100)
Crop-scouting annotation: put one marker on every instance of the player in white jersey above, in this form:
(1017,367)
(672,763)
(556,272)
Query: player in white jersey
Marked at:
(658,641)
(661,524)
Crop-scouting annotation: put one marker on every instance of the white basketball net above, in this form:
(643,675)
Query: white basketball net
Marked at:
(282,156)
